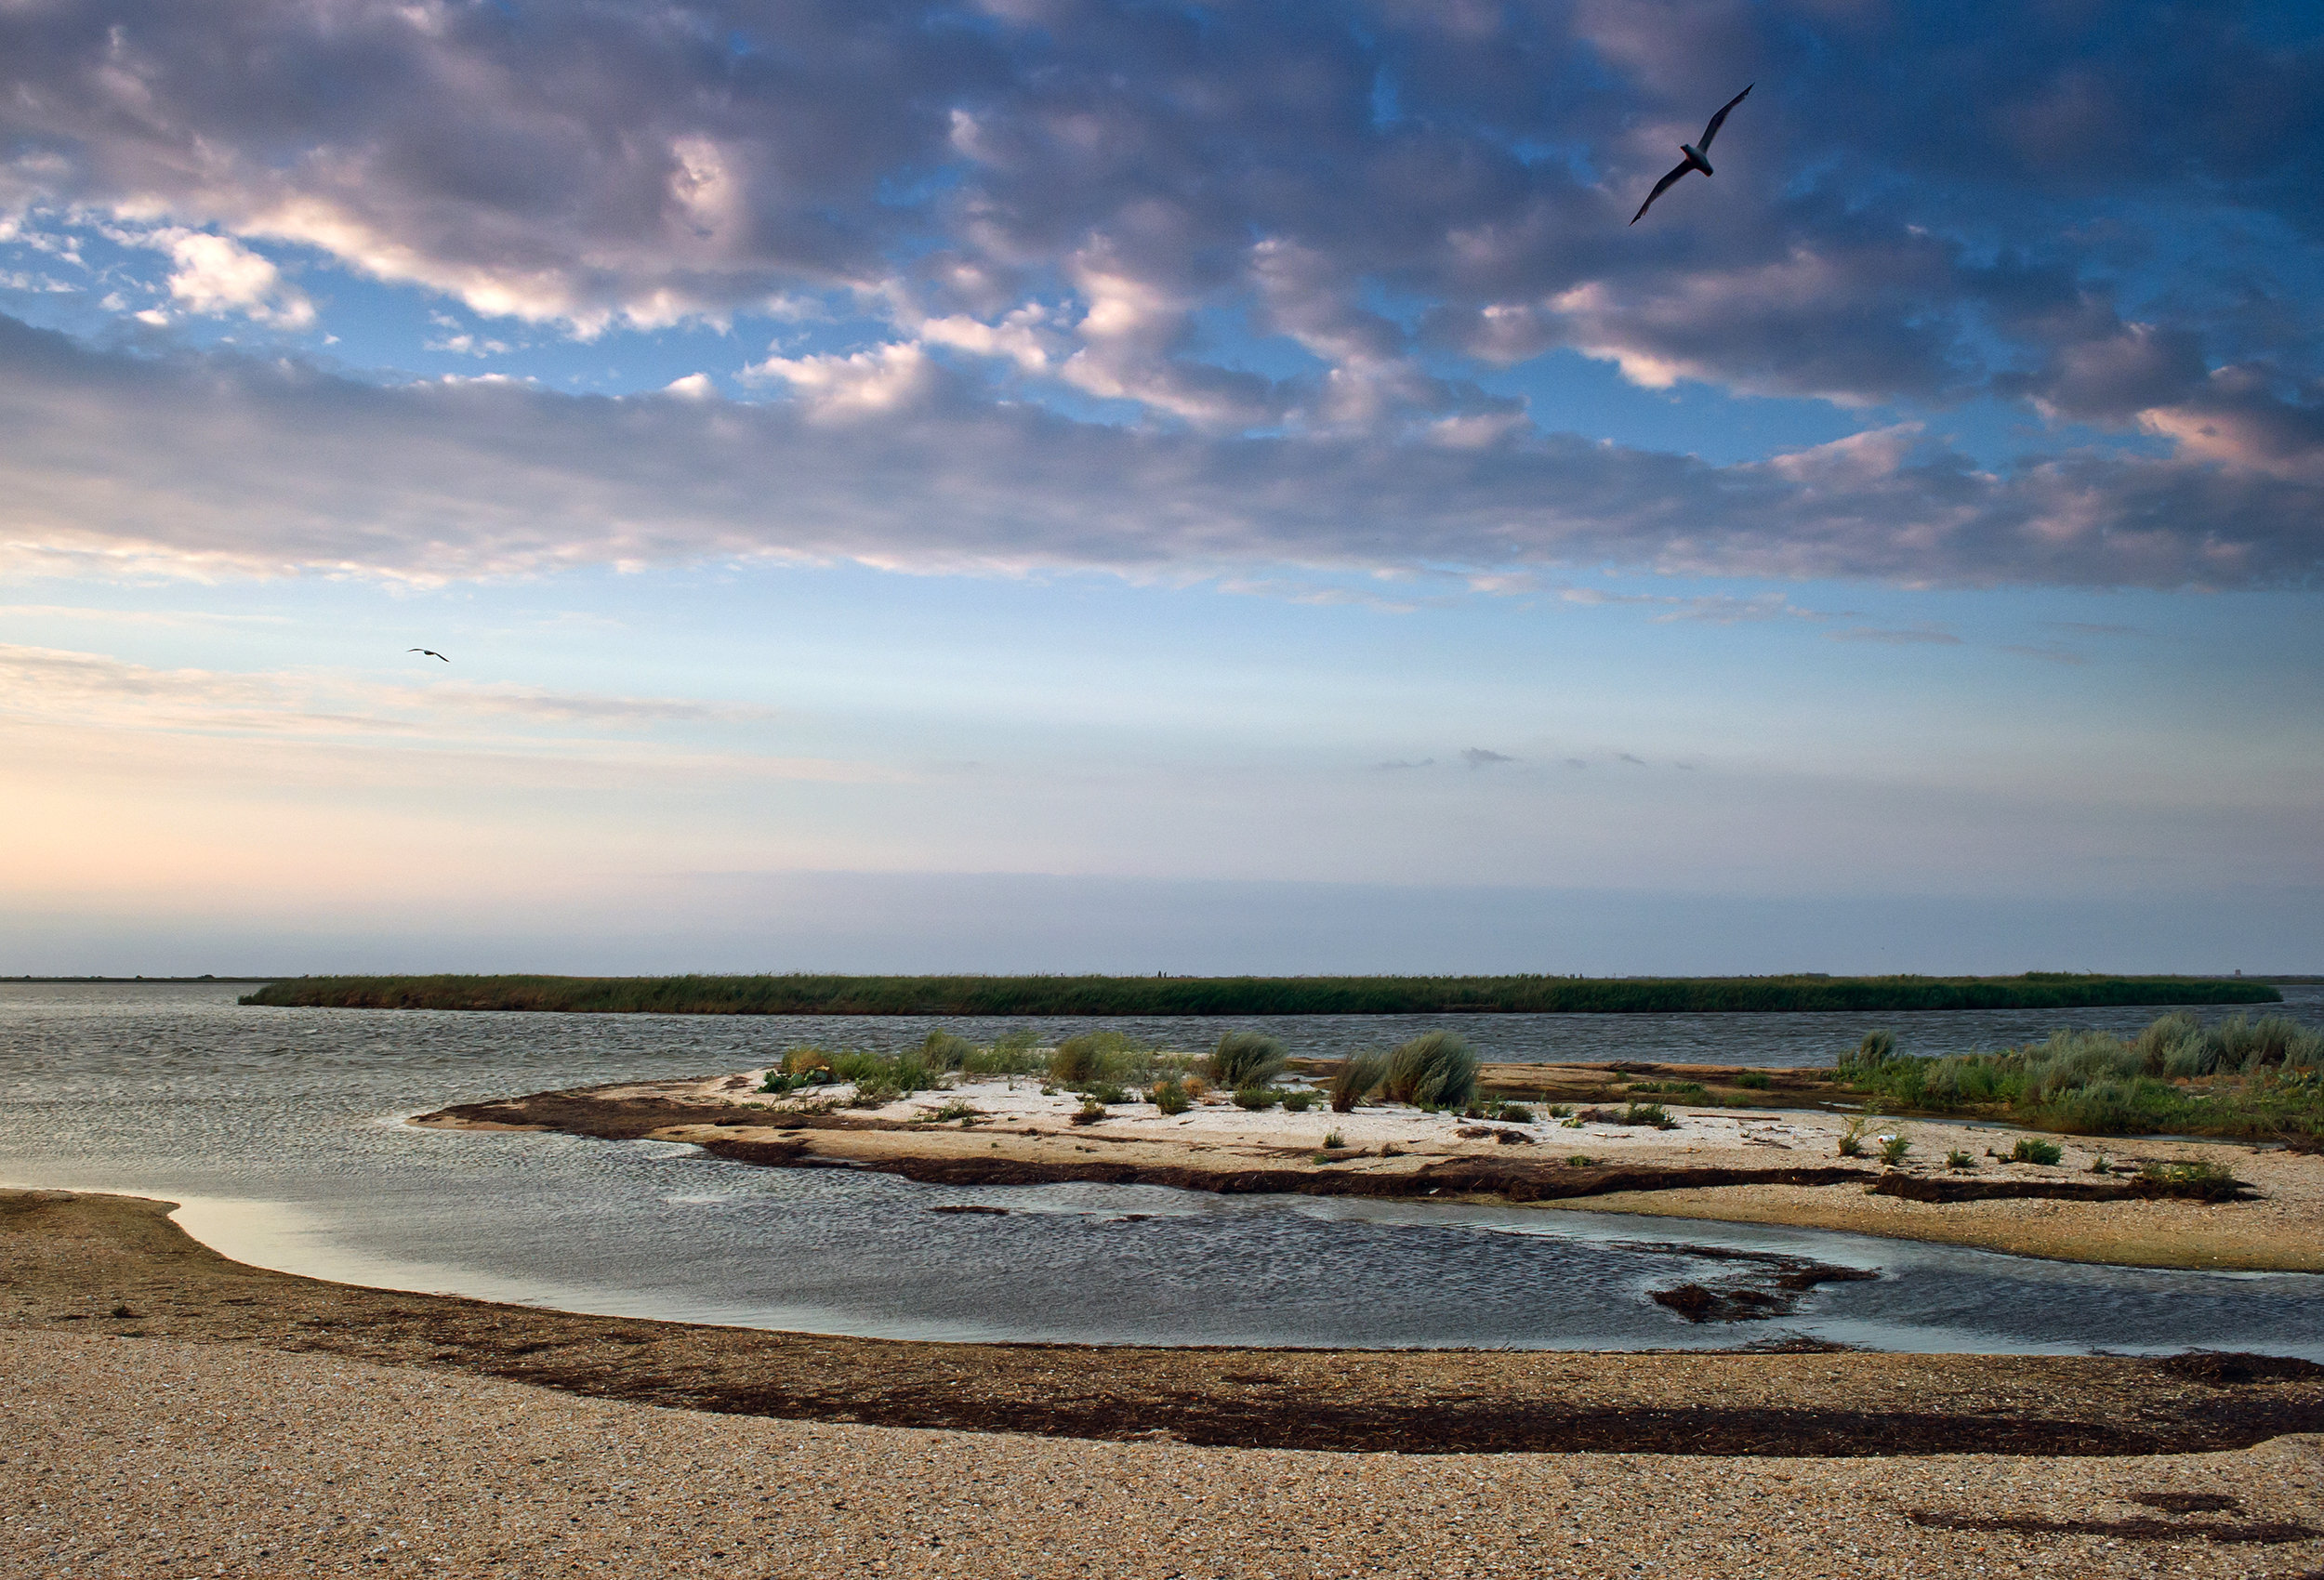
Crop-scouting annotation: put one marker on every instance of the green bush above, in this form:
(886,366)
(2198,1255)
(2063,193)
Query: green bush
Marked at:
(1255,1099)
(1170,1097)
(1959,1159)
(1876,1049)
(1434,1070)
(1090,1111)
(1648,1114)
(1757,1080)
(1513,1114)
(1355,1079)
(1105,1093)
(957,1109)
(1333,1140)
(1893,1149)
(946,1050)
(1245,1058)
(1298,1101)
(2029,1150)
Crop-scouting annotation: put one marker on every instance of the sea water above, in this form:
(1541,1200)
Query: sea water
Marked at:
(280,1132)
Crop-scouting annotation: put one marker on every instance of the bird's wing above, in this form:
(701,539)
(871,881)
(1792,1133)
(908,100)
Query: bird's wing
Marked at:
(1721,119)
(438,655)
(1660,187)
(415,650)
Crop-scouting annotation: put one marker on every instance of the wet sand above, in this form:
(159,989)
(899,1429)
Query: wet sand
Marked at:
(171,1411)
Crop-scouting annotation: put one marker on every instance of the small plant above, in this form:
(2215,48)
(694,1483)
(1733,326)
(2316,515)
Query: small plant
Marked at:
(1355,1079)
(1581,1160)
(1651,1114)
(1090,1111)
(958,1109)
(1299,1101)
(1255,1099)
(2195,1181)
(1106,1093)
(875,1091)
(1560,1110)
(2100,1165)
(2029,1150)
(1569,1124)
(1333,1140)
(1852,1139)
(1959,1159)
(1170,1097)
(1513,1114)
(1757,1080)
(1247,1059)
(1893,1149)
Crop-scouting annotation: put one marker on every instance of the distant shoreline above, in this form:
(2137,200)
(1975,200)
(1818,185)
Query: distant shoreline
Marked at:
(1164,995)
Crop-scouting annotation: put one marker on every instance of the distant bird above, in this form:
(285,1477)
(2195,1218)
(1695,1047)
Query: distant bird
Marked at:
(1697,157)
(429,652)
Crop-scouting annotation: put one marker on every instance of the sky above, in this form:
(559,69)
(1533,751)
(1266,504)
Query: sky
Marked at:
(1067,485)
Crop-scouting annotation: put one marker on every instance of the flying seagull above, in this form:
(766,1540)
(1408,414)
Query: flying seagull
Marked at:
(1696,156)
(427,652)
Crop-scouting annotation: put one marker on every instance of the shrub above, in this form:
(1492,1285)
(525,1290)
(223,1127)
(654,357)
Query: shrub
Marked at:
(800,1060)
(1299,1101)
(1255,1099)
(1646,1113)
(1105,1093)
(1012,1055)
(1355,1079)
(1959,1159)
(1757,1080)
(1245,1058)
(1434,1070)
(875,1092)
(1561,1111)
(1170,1097)
(957,1109)
(1513,1114)
(2030,1150)
(946,1050)
(1893,1149)
(1080,1060)
(1581,1160)
(1333,1140)
(1090,1112)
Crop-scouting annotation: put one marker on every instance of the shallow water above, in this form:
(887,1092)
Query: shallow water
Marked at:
(278,1129)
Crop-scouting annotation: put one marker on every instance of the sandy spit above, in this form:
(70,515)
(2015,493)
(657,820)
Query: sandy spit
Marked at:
(2280,1229)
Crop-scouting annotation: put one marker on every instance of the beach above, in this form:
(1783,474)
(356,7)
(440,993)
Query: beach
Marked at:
(172,1411)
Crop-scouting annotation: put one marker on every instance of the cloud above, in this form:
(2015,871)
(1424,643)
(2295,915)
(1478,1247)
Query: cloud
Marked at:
(1079,191)
(218,463)
(1401,764)
(1478,757)
(1626,758)
(1915,637)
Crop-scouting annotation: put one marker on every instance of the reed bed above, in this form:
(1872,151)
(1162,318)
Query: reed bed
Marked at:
(2262,1078)
(810,995)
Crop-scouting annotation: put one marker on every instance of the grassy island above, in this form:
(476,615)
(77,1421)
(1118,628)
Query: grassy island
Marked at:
(1045,995)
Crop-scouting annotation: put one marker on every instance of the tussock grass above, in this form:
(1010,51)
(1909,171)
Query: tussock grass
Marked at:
(2241,1077)
(1355,1079)
(1245,1058)
(1434,1070)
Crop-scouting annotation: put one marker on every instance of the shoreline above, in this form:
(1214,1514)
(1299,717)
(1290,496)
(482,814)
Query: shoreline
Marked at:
(116,1267)
(1773,1166)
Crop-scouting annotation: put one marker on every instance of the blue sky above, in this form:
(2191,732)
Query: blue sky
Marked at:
(1079,486)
